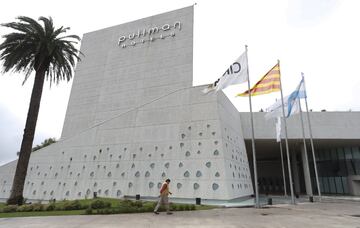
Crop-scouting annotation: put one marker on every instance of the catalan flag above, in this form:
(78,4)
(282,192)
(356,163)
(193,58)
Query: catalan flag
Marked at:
(269,83)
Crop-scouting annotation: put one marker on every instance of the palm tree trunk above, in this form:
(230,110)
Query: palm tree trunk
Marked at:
(16,196)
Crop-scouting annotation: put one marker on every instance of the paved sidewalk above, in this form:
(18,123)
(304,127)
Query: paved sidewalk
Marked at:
(327,214)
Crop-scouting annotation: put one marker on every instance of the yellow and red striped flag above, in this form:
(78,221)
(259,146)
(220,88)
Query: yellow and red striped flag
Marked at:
(269,83)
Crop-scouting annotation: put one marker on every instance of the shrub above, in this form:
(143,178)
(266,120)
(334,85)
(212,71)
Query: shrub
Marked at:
(84,205)
(192,207)
(148,207)
(187,207)
(88,211)
(72,205)
(137,204)
(99,204)
(180,207)
(115,211)
(125,203)
(106,211)
(101,211)
(130,203)
(59,207)
(173,207)
(126,209)
(38,207)
(25,208)
(50,207)
(10,208)
(107,204)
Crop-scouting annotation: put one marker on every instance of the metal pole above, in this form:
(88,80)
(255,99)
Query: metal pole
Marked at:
(257,202)
(283,168)
(305,149)
(286,143)
(312,143)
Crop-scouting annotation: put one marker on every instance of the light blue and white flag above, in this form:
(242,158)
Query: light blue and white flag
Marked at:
(291,103)
(293,97)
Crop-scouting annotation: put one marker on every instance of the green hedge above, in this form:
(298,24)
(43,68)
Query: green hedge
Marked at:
(25,208)
(96,206)
(50,207)
(73,205)
(10,208)
(128,206)
(100,204)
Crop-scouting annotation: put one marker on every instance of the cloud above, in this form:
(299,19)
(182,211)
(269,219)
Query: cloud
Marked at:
(309,12)
(11,132)
(10,135)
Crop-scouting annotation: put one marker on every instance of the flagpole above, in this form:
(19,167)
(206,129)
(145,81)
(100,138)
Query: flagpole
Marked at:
(257,202)
(306,169)
(282,166)
(286,143)
(278,139)
(312,142)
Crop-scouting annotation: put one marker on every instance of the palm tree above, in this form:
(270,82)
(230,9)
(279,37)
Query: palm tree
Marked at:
(45,50)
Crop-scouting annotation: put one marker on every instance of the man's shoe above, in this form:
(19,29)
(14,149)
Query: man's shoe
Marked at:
(155,212)
(169,213)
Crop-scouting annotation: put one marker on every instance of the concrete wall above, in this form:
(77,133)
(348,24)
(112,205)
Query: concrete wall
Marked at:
(7,173)
(112,79)
(236,161)
(194,142)
(325,125)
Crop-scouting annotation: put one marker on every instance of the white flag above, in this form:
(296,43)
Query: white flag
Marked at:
(237,73)
(278,129)
(275,110)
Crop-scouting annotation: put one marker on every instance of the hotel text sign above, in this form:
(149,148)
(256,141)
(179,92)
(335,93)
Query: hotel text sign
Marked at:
(149,34)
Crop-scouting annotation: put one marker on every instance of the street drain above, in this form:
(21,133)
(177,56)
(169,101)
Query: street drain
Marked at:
(355,216)
(264,214)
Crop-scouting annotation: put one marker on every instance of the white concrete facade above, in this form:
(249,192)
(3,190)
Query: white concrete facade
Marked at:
(325,126)
(134,119)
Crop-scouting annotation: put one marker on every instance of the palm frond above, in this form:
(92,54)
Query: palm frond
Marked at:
(33,46)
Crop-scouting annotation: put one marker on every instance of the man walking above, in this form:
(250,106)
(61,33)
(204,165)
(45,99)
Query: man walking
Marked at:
(164,197)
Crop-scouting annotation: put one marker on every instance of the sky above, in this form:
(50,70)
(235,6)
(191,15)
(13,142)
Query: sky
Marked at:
(320,38)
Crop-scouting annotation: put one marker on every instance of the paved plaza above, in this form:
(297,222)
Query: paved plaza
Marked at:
(327,214)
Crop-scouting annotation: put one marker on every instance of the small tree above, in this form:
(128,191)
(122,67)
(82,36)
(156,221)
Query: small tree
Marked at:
(45,143)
